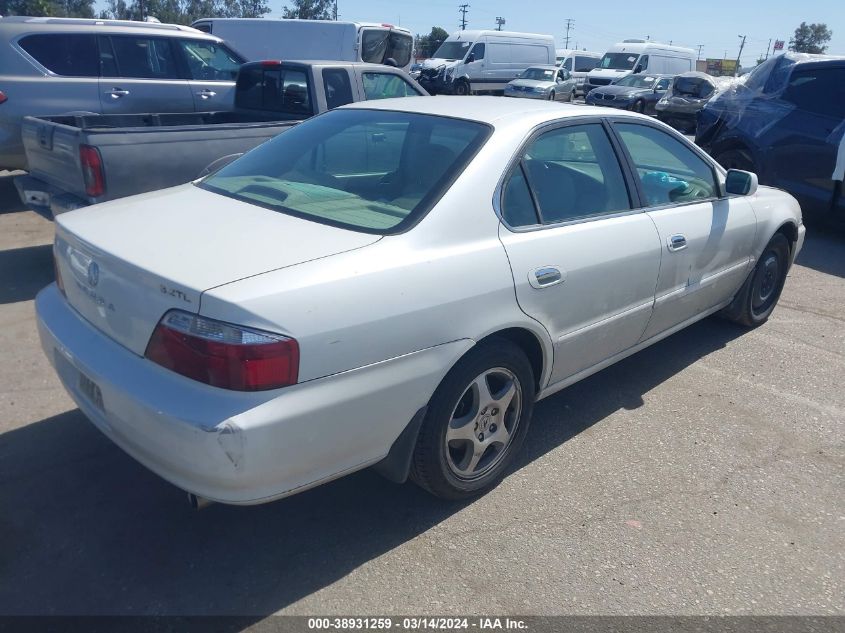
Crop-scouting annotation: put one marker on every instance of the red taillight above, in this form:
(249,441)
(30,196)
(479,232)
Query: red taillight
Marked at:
(3,97)
(223,355)
(92,170)
(59,283)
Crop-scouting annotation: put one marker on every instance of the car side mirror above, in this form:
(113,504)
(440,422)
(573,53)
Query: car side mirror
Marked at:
(638,69)
(740,183)
(470,58)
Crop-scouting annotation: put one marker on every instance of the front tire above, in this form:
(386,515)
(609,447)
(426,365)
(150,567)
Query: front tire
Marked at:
(572,96)
(736,159)
(639,106)
(552,95)
(476,422)
(462,88)
(756,300)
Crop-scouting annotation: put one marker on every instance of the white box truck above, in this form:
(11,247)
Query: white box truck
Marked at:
(303,40)
(632,57)
(484,61)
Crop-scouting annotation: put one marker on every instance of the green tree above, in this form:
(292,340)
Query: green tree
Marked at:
(426,45)
(310,10)
(810,38)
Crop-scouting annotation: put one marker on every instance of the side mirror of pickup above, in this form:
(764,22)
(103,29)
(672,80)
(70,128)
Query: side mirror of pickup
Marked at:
(220,163)
(740,183)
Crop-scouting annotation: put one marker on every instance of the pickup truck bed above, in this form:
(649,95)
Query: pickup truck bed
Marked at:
(139,152)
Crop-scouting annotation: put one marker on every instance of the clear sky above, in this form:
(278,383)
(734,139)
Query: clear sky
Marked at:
(598,24)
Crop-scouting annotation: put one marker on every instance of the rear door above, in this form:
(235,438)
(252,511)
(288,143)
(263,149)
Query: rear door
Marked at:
(705,239)
(140,73)
(801,148)
(212,69)
(584,262)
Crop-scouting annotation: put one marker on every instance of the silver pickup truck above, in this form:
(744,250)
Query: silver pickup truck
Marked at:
(77,160)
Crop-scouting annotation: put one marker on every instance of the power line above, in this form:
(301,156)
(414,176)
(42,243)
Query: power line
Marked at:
(463,9)
(569,22)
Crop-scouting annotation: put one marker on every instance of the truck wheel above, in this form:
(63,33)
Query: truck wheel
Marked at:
(462,88)
(758,296)
(736,159)
(476,422)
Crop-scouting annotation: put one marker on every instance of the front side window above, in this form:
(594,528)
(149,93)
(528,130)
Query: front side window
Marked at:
(567,65)
(477,52)
(387,86)
(669,172)
(643,63)
(142,57)
(573,173)
(210,61)
(663,84)
(66,54)
(368,170)
(337,86)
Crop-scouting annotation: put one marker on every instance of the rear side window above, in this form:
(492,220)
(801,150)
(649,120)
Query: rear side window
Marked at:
(274,89)
(210,61)
(66,54)
(141,58)
(337,86)
(387,86)
(585,64)
(820,91)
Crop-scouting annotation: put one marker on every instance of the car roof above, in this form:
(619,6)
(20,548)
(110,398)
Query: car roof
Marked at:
(24,24)
(491,110)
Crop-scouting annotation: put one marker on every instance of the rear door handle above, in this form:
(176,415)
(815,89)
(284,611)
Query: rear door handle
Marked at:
(117,93)
(545,277)
(206,94)
(677,243)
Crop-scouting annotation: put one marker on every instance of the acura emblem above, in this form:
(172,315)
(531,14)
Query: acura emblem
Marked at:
(93,274)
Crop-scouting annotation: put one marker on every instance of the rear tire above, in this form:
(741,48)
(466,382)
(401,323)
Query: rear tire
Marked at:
(759,295)
(476,422)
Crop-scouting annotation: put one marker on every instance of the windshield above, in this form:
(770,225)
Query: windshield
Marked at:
(379,45)
(539,74)
(637,81)
(618,61)
(373,171)
(452,50)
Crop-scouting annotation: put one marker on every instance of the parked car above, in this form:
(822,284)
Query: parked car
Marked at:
(785,123)
(543,82)
(685,98)
(321,305)
(484,61)
(60,65)
(78,160)
(639,93)
(259,38)
(634,57)
(579,63)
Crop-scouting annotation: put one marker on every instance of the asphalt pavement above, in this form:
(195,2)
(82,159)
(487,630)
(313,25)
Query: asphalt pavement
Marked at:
(704,475)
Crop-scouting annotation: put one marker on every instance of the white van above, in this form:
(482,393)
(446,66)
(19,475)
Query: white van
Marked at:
(578,63)
(263,38)
(632,57)
(484,61)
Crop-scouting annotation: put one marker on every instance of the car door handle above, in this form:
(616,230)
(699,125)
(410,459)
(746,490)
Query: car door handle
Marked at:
(545,277)
(117,93)
(206,94)
(676,243)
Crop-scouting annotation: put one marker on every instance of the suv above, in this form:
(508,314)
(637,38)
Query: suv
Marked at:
(59,65)
(785,123)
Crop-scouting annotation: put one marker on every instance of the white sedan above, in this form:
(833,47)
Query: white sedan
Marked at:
(396,284)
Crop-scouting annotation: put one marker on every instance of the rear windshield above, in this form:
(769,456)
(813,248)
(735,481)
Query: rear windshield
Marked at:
(379,45)
(697,87)
(373,171)
(275,89)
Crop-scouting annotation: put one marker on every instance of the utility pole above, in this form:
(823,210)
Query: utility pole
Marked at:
(741,46)
(499,23)
(569,22)
(767,50)
(700,46)
(463,9)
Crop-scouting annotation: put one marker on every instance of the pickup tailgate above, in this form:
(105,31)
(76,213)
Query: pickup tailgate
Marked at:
(127,262)
(52,153)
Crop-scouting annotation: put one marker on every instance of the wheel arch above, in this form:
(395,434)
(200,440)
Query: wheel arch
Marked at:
(532,347)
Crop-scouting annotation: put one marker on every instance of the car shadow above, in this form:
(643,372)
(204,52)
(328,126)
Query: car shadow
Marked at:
(824,251)
(87,530)
(10,201)
(25,271)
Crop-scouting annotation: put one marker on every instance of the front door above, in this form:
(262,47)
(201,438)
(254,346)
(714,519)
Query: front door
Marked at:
(141,74)
(706,240)
(584,262)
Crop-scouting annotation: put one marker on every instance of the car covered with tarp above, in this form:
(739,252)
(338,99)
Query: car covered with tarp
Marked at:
(786,123)
(686,96)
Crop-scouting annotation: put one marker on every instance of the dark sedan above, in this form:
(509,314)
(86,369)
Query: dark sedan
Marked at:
(639,93)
